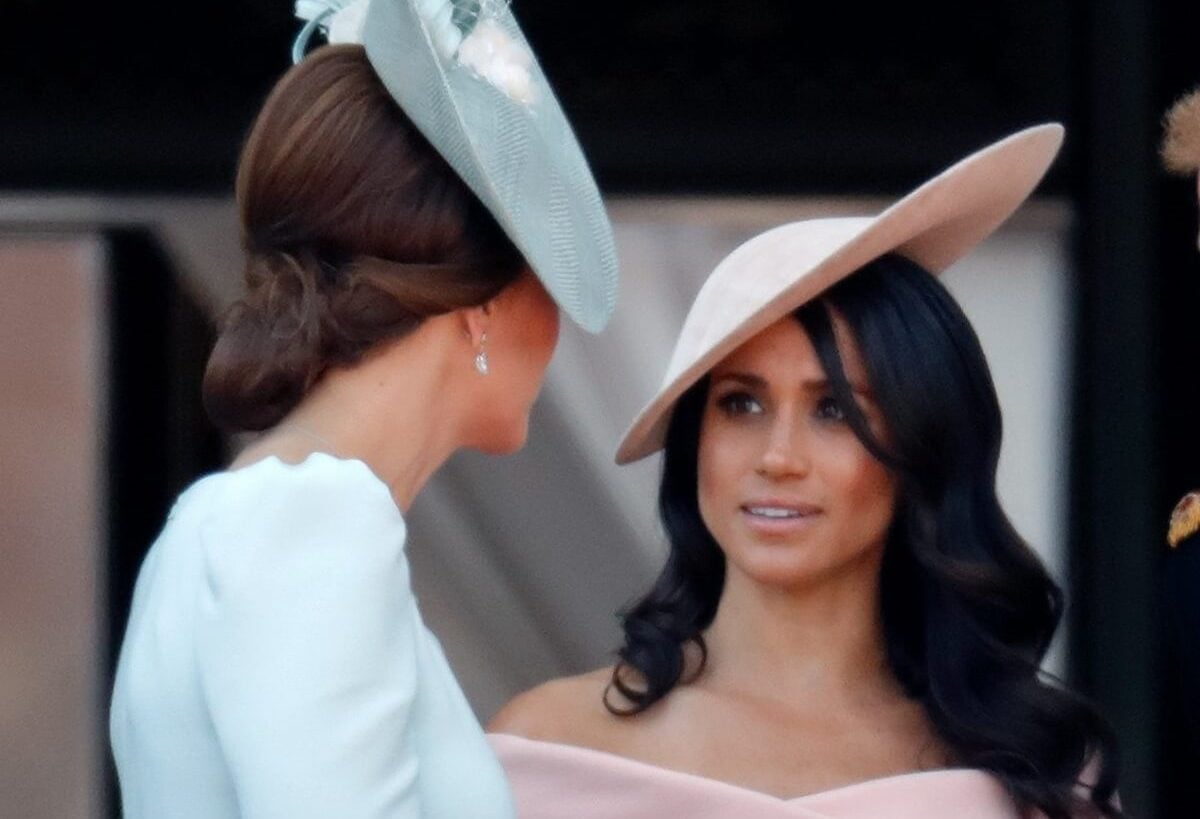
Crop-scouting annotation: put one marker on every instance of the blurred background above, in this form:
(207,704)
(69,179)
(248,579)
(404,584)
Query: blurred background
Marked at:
(705,122)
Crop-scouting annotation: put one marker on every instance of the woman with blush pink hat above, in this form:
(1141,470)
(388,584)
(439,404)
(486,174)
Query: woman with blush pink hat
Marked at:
(847,625)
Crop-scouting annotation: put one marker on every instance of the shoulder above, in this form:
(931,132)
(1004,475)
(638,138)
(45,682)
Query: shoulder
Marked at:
(318,484)
(276,522)
(320,494)
(569,710)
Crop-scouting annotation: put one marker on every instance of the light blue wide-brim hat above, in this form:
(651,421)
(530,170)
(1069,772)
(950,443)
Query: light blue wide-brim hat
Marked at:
(463,73)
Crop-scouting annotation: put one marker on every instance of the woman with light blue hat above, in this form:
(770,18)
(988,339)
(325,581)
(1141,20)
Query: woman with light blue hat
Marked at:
(416,210)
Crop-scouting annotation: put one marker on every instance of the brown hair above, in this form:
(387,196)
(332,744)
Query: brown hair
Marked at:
(355,230)
(1181,143)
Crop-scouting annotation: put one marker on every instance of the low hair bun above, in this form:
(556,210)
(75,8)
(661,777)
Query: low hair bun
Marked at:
(355,230)
(270,348)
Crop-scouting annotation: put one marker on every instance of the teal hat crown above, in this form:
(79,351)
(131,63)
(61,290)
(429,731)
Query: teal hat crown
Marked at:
(463,73)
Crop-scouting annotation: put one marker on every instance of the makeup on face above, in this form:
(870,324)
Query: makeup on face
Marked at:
(785,485)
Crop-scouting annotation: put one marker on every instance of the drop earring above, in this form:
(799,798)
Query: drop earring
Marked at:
(481,359)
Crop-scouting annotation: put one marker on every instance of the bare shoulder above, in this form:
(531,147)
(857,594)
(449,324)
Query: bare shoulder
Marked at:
(569,710)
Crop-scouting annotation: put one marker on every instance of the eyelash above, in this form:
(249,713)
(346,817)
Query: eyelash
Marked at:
(828,402)
(734,404)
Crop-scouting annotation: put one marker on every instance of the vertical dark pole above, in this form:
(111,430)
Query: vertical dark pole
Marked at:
(1180,275)
(1117,466)
(158,437)
(138,291)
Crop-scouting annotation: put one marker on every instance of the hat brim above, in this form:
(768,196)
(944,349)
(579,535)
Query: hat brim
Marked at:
(776,272)
(521,159)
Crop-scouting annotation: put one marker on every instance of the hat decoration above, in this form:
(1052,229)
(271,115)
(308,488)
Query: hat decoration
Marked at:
(463,73)
(467,31)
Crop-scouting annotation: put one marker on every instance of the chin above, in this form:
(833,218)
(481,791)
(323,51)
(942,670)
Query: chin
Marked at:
(786,573)
(505,439)
(798,566)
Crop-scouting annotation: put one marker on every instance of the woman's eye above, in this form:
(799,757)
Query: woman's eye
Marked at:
(738,403)
(830,409)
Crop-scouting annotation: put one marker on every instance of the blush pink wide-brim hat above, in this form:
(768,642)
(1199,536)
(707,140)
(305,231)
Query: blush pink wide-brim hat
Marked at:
(769,276)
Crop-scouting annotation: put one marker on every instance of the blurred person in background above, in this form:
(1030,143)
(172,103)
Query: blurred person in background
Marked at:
(402,302)
(847,623)
(1181,564)
(1181,140)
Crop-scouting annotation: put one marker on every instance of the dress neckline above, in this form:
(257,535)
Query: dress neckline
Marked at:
(312,457)
(313,460)
(617,762)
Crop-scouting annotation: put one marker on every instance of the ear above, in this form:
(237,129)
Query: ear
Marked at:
(476,321)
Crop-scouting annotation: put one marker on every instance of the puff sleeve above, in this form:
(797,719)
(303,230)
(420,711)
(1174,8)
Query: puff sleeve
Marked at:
(307,645)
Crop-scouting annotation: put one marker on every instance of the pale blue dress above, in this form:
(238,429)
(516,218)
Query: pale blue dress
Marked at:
(276,666)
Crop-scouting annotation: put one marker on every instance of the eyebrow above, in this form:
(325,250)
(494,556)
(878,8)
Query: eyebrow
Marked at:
(809,385)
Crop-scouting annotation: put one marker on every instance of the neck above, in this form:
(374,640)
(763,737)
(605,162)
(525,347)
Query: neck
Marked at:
(395,411)
(817,644)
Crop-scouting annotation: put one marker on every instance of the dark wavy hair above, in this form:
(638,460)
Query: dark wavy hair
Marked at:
(355,230)
(968,608)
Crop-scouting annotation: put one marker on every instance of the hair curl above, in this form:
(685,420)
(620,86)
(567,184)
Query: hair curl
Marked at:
(355,230)
(968,608)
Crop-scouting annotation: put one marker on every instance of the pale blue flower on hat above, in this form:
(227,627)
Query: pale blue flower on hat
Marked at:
(439,17)
(340,20)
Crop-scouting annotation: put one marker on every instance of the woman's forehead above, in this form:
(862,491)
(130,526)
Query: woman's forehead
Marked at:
(785,350)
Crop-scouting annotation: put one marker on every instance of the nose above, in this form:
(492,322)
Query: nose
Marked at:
(785,452)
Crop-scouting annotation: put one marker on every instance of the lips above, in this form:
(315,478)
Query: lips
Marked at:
(777,517)
(780,510)
(772,512)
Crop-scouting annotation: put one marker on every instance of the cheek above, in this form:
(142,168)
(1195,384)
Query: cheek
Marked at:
(539,348)
(539,340)
(539,322)
(868,499)
(708,486)
(552,325)
(720,466)
(518,374)
(531,347)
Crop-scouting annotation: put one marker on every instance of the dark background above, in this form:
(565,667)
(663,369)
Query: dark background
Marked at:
(667,95)
(748,97)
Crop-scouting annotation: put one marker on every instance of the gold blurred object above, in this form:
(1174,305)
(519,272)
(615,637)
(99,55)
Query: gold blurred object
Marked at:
(1185,520)
(1181,135)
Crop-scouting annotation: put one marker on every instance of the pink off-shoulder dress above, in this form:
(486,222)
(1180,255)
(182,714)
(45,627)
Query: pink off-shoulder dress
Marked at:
(551,780)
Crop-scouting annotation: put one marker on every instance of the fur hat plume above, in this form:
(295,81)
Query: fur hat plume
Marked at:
(1181,139)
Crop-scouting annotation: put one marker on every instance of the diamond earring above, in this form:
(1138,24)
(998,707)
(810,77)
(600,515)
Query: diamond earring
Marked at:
(481,359)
